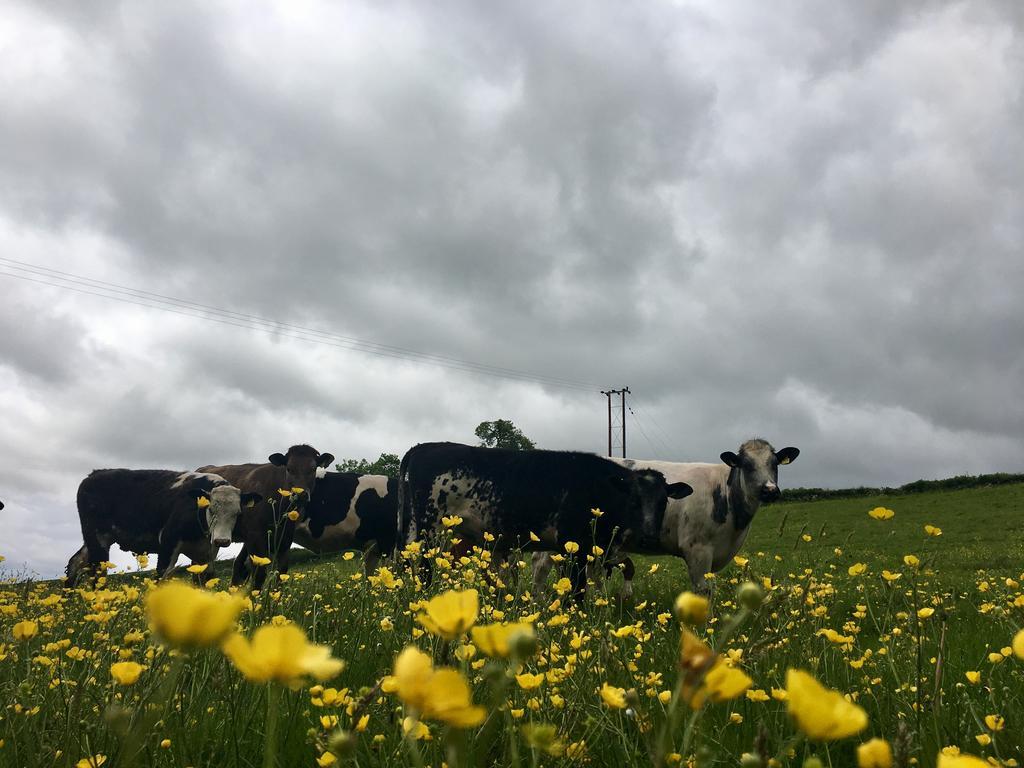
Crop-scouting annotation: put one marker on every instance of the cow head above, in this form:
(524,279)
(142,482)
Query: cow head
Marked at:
(651,494)
(302,465)
(758,466)
(225,504)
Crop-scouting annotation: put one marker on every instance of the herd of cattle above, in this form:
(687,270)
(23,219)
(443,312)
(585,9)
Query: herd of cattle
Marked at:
(536,500)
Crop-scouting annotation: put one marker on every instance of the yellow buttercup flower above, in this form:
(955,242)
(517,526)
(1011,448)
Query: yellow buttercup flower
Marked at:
(183,615)
(596,512)
(529,682)
(613,697)
(721,683)
(881,513)
(436,694)
(911,560)
(563,585)
(960,761)
(24,630)
(451,522)
(283,654)
(450,614)
(126,672)
(994,722)
(933,530)
(197,568)
(91,762)
(925,613)
(293,515)
(572,547)
(259,560)
(822,714)
(283,493)
(874,754)
(857,569)
(691,608)
(495,640)
(973,677)
(1018,645)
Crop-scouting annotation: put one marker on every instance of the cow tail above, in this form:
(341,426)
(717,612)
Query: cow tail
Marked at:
(405,523)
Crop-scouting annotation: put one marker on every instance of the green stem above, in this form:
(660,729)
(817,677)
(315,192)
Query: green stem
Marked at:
(270,727)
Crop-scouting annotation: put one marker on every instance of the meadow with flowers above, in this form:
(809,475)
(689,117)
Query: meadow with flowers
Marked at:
(870,632)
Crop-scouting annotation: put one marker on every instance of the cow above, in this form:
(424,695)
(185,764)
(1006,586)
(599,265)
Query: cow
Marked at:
(534,500)
(351,511)
(155,510)
(265,530)
(708,528)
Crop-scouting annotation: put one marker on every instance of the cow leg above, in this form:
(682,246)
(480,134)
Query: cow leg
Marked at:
(240,568)
(167,560)
(371,558)
(698,562)
(628,572)
(542,565)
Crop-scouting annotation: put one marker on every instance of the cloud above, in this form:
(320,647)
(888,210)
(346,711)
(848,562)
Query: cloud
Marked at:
(764,220)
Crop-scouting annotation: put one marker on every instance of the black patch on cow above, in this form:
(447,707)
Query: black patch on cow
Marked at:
(720,505)
(741,513)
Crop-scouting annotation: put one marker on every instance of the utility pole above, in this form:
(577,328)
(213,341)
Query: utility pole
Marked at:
(619,423)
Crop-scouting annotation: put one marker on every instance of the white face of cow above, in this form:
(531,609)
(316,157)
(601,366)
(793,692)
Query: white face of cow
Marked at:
(758,465)
(225,506)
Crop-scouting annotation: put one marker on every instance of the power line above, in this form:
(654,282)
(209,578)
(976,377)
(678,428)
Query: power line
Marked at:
(138,297)
(642,432)
(664,437)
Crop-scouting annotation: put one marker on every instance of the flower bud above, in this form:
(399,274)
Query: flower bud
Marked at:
(342,744)
(522,644)
(750,760)
(691,609)
(750,595)
(632,697)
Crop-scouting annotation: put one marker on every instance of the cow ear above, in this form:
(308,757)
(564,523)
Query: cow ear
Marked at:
(787,455)
(731,459)
(325,460)
(251,499)
(679,490)
(277,459)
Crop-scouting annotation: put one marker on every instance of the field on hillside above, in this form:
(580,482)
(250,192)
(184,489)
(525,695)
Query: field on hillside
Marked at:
(916,628)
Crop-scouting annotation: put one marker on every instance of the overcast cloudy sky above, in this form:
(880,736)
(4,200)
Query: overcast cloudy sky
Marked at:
(770,219)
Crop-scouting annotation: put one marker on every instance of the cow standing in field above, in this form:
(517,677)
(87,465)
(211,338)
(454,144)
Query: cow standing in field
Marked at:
(265,530)
(155,510)
(708,528)
(535,500)
(351,511)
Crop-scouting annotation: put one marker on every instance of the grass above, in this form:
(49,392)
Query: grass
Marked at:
(907,673)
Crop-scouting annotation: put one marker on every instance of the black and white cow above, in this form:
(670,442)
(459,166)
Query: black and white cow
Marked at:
(351,511)
(708,528)
(155,510)
(534,500)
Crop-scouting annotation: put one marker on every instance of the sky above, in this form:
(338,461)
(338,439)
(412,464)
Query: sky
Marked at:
(765,219)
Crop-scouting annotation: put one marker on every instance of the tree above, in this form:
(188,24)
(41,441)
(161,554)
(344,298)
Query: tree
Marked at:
(387,464)
(502,434)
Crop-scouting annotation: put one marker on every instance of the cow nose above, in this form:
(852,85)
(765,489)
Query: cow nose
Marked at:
(221,542)
(770,492)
